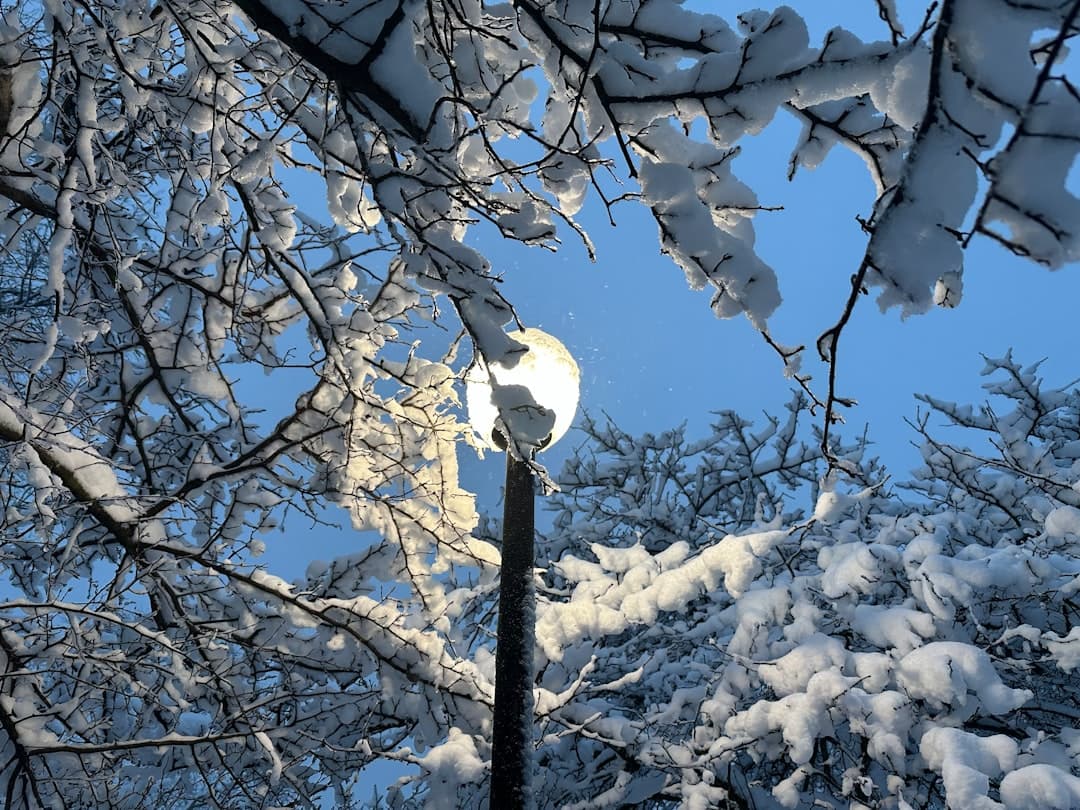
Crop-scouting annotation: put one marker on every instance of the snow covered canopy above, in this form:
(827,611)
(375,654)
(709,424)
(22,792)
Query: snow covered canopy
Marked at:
(155,257)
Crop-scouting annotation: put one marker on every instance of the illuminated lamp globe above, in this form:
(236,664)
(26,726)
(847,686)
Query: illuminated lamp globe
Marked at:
(546,376)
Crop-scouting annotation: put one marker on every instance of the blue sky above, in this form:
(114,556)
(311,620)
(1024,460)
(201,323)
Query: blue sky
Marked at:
(653,355)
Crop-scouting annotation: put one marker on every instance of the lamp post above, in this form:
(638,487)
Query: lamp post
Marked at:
(523,404)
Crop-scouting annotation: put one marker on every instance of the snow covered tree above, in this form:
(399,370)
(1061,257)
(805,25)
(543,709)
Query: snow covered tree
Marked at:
(145,659)
(153,256)
(704,641)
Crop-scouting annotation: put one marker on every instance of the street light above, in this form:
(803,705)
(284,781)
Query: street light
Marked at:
(524,402)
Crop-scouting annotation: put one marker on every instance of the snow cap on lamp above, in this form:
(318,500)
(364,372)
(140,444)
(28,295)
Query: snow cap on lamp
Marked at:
(543,374)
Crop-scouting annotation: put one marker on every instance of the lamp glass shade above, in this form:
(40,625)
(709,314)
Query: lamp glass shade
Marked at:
(546,376)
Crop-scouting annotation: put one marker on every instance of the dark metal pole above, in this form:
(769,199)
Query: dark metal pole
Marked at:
(512,739)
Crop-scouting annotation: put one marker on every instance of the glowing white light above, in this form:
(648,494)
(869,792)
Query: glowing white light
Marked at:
(546,375)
